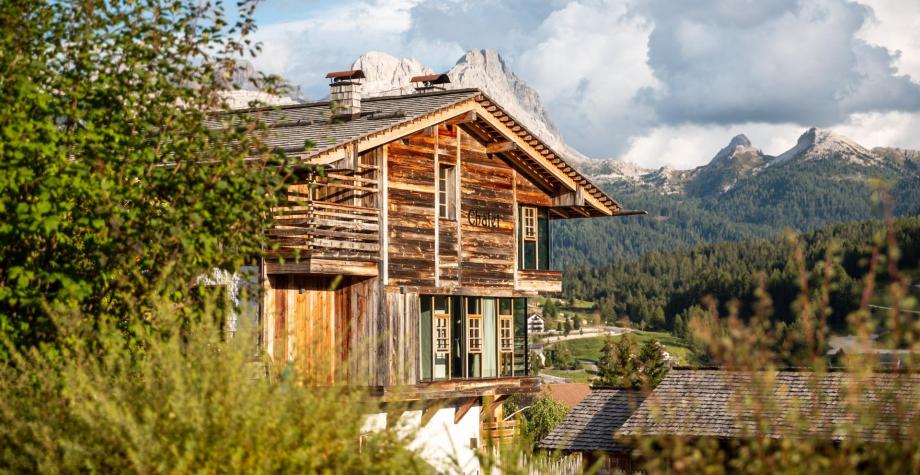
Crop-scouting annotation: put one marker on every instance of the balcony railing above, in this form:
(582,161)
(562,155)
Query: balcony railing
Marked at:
(332,215)
(544,281)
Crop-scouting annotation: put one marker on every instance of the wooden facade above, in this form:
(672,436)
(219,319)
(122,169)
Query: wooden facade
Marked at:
(403,264)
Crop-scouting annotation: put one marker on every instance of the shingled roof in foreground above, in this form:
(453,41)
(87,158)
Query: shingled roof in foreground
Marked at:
(590,426)
(729,404)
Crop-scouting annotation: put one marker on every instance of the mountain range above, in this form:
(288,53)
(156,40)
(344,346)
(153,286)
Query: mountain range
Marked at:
(741,193)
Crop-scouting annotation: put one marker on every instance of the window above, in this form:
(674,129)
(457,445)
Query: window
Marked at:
(534,238)
(446,192)
(441,337)
(472,337)
(505,337)
(475,331)
(530,223)
(435,337)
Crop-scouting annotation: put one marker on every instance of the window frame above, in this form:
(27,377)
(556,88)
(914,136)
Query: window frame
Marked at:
(446,192)
(439,318)
(529,223)
(534,236)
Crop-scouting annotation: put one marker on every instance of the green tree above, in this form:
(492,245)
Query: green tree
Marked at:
(652,364)
(549,310)
(541,418)
(623,364)
(536,363)
(617,364)
(563,358)
(567,326)
(113,188)
(576,322)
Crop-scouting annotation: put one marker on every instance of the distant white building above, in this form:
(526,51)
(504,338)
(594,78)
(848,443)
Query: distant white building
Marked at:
(535,323)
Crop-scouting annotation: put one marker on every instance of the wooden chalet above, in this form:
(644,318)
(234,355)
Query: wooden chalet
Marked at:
(405,263)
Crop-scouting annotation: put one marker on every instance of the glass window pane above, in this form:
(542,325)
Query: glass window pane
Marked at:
(441,303)
(425,337)
(530,255)
(474,370)
(458,341)
(489,339)
(543,240)
(520,337)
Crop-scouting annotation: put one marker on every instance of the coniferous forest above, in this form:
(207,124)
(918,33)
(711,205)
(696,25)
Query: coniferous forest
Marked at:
(657,289)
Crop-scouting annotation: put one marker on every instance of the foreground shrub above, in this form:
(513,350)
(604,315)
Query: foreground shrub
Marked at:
(178,402)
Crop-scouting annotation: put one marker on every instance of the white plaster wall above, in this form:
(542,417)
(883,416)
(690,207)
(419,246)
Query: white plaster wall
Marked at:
(443,444)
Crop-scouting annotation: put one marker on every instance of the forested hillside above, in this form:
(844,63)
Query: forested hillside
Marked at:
(656,288)
(802,196)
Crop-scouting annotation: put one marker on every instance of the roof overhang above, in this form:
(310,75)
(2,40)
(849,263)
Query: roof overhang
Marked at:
(574,194)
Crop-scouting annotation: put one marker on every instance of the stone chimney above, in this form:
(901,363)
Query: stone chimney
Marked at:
(345,93)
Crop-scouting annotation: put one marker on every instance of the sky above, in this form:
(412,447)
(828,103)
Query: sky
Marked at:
(656,82)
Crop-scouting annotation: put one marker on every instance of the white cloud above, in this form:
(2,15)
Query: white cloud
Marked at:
(331,39)
(883,129)
(589,66)
(653,81)
(688,145)
(895,24)
(783,61)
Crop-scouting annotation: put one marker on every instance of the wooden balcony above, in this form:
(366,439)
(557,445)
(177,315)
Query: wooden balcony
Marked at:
(539,281)
(329,222)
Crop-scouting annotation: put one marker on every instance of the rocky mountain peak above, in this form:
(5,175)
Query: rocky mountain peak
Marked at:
(387,75)
(484,69)
(739,140)
(485,59)
(822,144)
(243,88)
(738,148)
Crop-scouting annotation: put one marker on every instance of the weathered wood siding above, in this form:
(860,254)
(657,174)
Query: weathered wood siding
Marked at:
(330,331)
(429,252)
(411,184)
(302,318)
(400,340)
(486,186)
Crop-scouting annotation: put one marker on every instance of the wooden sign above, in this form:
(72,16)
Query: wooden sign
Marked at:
(485,219)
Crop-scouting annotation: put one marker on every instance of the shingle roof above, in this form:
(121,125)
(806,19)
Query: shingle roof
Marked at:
(729,404)
(291,127)
(307,130)
(591,425)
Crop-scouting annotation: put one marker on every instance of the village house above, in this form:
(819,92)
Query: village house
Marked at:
(535,323)
(408,245)
(725,405)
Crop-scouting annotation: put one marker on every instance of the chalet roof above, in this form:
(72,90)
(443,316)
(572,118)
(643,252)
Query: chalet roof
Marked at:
(590,426)
(706,403)
(310,132)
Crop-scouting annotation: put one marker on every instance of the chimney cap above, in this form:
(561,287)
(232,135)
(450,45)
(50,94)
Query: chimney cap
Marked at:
(431,79)
(345,75)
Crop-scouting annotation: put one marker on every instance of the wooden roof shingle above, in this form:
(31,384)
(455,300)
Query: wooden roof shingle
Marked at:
(591,425)
(736,404)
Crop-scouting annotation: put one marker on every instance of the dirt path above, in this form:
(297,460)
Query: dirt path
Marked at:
(575,335)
